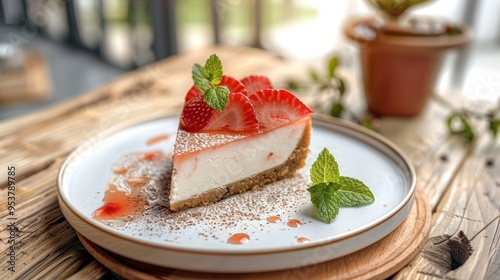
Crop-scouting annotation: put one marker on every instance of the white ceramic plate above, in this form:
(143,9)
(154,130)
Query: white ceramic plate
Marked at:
(183,241)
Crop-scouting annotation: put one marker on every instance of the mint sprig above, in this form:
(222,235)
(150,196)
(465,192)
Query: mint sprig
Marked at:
(330,191)
(206,79)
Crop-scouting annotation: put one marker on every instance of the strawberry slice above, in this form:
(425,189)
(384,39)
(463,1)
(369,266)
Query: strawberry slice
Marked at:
(231,83)
(239,115)
(275,107)
(255,83)
(195,114)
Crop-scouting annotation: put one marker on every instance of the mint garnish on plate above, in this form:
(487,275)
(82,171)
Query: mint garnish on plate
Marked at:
(330,191)
(206,78)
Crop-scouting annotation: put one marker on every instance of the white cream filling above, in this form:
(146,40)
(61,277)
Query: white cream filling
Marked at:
(219,166)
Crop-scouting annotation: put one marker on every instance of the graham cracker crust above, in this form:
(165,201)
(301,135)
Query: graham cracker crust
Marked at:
(285,170)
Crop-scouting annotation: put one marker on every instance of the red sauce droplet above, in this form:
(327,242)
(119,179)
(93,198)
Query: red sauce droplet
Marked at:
(302,240)
(120,170)
(273,219)
(270,155)
(151,155)
(126,193)
(157,139)
(108,209)
(239,238)
(294,223)
(117,204)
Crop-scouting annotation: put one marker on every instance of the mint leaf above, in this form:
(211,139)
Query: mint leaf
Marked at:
(325,201)
(353,192)
(206,78)
(198,74)
(217,98)
(325,169)
(213,66)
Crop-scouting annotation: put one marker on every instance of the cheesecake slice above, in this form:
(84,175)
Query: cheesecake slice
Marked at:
(261,136)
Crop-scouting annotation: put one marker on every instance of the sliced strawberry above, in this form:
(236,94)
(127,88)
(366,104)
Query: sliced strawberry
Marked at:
(195,114)
(239,116)
(255,83)
(194,91)
(231,83)
(275,107)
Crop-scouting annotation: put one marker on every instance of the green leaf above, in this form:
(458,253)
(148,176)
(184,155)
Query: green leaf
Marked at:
(458,123)
(217,98)
(467,132)
(213,68)
(449,122)
(337,110)
(201,82)
(394,9)
(341,87)
(368,122)
(494,126)
(325,168)
(314,75)
(332,65)
(353,192)
(292,85)
(325,201)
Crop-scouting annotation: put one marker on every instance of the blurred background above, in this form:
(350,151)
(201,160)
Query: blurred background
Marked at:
(72,46)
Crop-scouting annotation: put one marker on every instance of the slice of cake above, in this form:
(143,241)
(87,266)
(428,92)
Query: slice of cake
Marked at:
(262,135)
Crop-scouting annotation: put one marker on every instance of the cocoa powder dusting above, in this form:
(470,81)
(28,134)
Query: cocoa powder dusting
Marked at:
(247,212)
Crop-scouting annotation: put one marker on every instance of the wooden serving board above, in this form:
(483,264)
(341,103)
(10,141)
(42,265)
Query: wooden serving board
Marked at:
(377,261)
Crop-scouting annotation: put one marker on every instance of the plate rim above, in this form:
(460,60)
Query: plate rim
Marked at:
(319,120)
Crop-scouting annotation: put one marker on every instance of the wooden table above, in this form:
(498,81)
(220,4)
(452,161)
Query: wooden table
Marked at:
(460,181)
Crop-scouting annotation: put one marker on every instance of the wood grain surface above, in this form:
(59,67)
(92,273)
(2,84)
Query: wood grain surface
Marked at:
(378,261)
(465,238)
(459,180)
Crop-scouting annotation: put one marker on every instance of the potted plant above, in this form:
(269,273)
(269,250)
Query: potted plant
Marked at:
(401,56)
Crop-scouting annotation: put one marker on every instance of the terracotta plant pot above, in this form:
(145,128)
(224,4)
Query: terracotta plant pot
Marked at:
(399,70)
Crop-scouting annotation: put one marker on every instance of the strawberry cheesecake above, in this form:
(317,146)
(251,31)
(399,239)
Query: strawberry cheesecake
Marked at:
(262,135)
